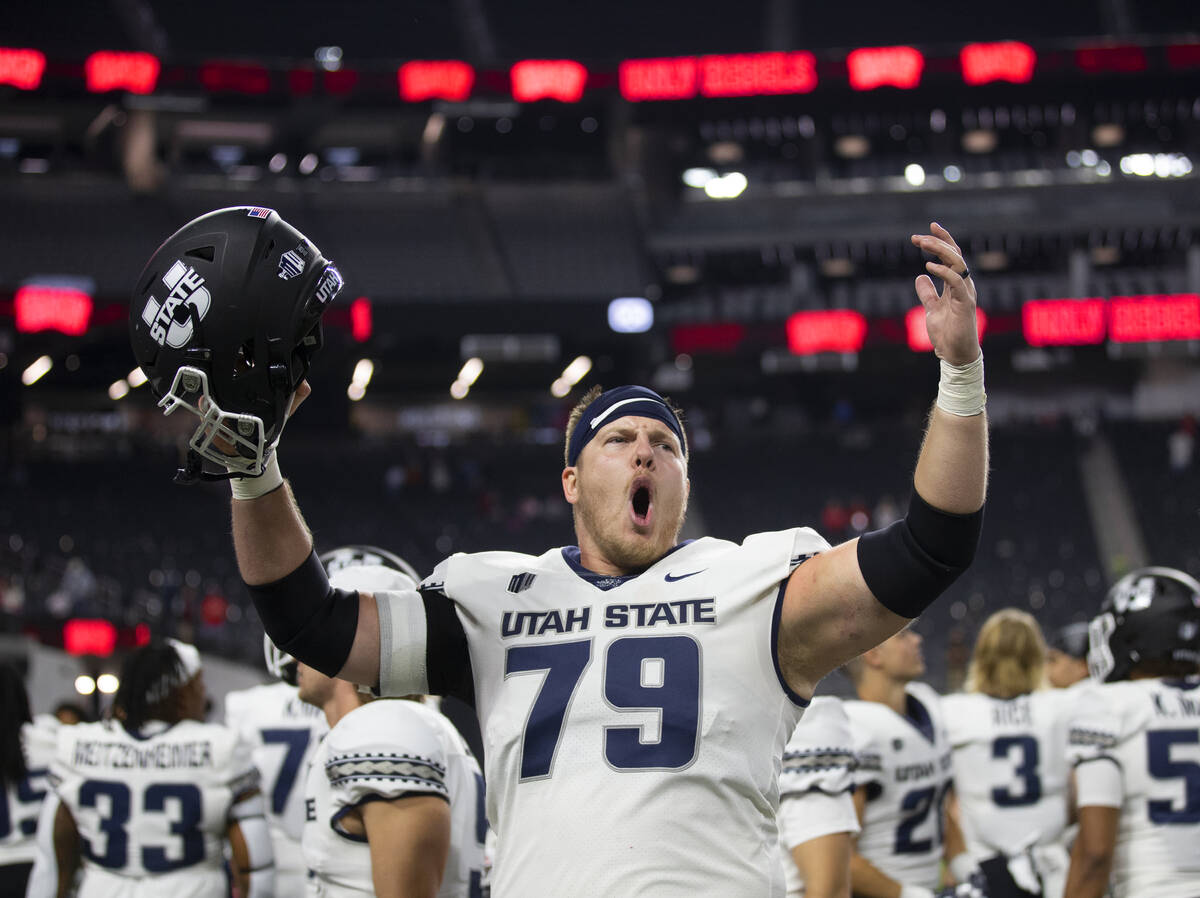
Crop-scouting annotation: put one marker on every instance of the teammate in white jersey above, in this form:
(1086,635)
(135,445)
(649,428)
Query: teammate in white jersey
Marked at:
(1009,735)
(149,798)
(905,771)
(816,810)
(394,797)
(1135,742)
(284,732)
(26,749)
(635,692)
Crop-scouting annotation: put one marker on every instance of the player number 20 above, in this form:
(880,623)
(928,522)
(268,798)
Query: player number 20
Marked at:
(659,674)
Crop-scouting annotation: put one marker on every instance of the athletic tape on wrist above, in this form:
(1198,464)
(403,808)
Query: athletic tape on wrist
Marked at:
(960,390)
(253,487)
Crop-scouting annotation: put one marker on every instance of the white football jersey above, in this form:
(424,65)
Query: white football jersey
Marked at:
(1150,730)
(151,808)
(382,750)
(816,784)
(1013,795)
(23,801)
(906,766)
(633,726)
(284,732)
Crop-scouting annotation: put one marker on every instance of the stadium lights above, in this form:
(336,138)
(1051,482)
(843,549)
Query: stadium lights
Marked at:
(108,683)
(36,371)
(136,378)
(118,389)
(698,177)
(726,187)
(1164,165)
(359,380)
(577,370)
(952,173)
(1002,61)
(630,315)
(85,685)
(63,307)
(571,375)
(467,375)
(830,330)
(914,174)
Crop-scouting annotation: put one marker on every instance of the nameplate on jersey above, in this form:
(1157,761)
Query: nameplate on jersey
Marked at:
(615,616)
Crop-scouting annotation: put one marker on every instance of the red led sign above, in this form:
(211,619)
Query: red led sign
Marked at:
(444,79)
(236,77)
(1003,61)
(21,68)
(63,309)
(837,330)
(751,74)
(1111,59)
(548,79)
(1064,322)
(89,636)
(720,337)
(918,334)
(658,79)
(134,72)
(1142,319)
(874,67)
(1183,56)
(360,319)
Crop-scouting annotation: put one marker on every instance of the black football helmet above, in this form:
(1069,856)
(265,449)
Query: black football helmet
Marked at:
(368,569)
(225,320)
(280,664)
(1150,614)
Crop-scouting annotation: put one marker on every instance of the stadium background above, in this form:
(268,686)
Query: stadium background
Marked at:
(490,176)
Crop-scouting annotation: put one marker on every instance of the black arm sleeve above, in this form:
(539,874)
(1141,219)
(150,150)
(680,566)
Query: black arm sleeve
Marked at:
(308,618)
(447,655)
(912,562)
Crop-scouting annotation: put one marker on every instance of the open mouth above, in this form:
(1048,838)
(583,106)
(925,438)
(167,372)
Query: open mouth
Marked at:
(640,503)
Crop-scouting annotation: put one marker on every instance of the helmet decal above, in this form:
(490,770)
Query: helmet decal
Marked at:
(187,290)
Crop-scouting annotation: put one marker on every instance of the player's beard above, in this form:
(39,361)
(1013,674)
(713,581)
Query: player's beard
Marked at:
(626,551)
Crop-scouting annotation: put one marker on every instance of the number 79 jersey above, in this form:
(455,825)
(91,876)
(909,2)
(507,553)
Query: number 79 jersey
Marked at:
(633,727)
(151,805)
(1136,746)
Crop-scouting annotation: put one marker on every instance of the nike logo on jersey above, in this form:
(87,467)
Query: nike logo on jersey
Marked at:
(671,579)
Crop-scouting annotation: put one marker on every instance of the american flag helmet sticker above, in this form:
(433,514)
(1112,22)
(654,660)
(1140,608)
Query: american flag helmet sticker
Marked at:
(257,212)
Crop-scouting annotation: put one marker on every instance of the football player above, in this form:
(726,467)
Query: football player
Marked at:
(284,732)
(1009,736)
(393,774)
(149,798)
(26,749)
(628,686)
(816,810)
(1135,742)
(905,771)
(1066,656)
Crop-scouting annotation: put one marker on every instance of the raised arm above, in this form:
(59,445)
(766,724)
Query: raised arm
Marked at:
(335,632)
(844,601)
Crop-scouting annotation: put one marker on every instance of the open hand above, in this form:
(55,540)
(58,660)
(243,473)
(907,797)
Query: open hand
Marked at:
(950,316)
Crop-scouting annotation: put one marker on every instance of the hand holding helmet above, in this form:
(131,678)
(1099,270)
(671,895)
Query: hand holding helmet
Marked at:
(225,320)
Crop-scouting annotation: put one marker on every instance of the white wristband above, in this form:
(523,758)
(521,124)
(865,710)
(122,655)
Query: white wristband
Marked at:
(960,391)
(253,487)
(962,867)
(915,892)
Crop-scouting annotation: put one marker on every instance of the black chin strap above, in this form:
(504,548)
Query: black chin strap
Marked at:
(194,471)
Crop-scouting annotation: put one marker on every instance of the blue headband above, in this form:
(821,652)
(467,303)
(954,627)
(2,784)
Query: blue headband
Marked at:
(617,403)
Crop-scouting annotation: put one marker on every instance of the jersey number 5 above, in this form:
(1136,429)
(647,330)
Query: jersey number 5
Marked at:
(658,674)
